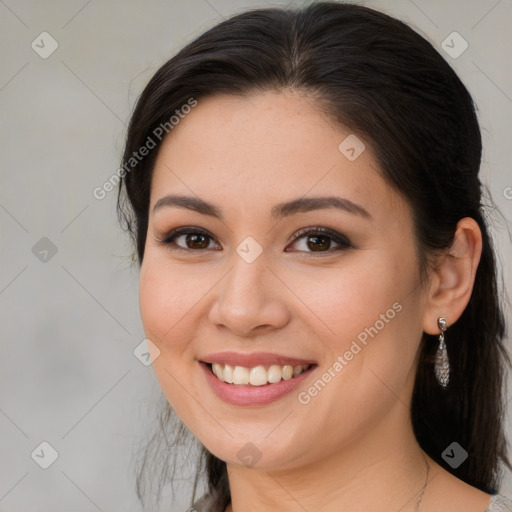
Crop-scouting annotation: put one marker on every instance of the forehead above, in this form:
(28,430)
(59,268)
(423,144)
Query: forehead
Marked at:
(265,148)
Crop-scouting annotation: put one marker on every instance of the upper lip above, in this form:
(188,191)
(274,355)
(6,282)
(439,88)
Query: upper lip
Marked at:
(254,359)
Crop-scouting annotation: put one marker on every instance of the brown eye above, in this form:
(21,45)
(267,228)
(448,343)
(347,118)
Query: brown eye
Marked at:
(187,239)
(196,241)
(319,240)
(318,243)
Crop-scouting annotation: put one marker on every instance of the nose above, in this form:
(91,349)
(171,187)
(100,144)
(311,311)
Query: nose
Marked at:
(250,300)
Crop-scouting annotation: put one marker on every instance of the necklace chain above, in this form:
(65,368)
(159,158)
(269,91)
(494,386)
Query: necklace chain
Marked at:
(418,501)
(420,497)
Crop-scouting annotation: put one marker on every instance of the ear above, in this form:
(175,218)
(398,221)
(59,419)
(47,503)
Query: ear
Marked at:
(453,277)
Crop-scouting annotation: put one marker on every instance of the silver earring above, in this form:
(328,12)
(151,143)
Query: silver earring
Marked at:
(442,365)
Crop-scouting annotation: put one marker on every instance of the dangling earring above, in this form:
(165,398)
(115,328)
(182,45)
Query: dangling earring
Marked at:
(442,365)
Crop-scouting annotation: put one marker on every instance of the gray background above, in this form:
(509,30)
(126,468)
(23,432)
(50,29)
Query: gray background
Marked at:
(69,324)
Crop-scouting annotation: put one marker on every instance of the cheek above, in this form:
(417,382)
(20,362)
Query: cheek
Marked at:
(350,298)
(164,299)
(368,312)
(370,319)
(166,302)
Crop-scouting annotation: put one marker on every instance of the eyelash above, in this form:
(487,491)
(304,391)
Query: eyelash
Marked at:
(338,238)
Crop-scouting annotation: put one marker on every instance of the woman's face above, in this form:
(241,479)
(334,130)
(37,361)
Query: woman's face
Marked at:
(252,281)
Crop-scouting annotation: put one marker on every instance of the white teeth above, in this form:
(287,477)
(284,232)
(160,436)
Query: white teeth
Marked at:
(240,375)
(287,372)
(228,374)
(274,374)
(258,375)
(217,370)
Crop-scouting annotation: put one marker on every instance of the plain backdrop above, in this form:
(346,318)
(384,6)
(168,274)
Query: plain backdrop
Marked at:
(69,317)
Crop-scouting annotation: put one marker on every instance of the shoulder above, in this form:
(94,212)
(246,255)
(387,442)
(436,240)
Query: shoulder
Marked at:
(499,503)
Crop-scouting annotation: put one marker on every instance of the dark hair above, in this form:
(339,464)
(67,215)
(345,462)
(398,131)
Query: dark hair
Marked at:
(375,75)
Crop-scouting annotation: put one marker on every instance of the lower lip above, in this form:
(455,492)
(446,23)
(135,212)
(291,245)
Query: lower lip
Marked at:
(252,395)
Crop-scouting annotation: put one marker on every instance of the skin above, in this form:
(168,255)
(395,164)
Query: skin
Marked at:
(245,155)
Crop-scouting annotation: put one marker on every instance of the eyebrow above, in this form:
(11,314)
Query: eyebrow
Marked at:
(281,210)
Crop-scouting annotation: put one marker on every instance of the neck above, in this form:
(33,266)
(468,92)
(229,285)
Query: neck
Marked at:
(384,470)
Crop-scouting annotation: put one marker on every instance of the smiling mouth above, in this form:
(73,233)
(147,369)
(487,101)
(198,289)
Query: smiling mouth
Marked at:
(257,375)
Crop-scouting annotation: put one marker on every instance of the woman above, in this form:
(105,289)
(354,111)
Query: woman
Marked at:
(317,282)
